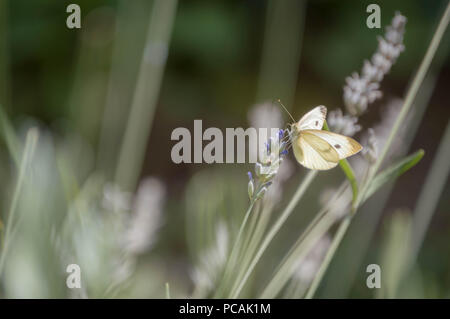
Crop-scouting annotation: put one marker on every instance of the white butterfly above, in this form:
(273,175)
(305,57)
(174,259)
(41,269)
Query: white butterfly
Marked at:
(315,148)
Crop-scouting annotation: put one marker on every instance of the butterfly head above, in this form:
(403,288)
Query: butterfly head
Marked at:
(295,130)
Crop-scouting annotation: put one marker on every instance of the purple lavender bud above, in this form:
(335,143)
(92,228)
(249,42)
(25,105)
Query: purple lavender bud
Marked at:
(280,134)
(284,152)
(250,176)
(267,184)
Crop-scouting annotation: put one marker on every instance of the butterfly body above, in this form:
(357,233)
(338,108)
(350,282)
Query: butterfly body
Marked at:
(318,149)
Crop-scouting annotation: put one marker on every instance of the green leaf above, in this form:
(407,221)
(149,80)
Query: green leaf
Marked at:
(393,172)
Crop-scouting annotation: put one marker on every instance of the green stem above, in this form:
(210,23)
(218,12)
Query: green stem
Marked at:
(237,242)
(254,240)
(145,97)
(253,224)
(348,171)
(235,251)
(30,146)
(432,190)
(328,257)
(274,230)
(300,251)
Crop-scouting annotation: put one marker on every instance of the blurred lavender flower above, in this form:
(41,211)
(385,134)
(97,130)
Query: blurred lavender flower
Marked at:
(308,266)
(268,116)
(388,116)
(264,116)
(145,219)
(147,216)
(343,124)
(359,93)
(211,261)
(370,152)
(114,199)
(376,137)
(340,202)
(105,243)
(275,191)
(268,166)
(362,90)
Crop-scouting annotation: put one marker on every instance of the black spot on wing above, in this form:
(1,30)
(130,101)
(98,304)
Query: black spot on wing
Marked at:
(337,145)
(323,110)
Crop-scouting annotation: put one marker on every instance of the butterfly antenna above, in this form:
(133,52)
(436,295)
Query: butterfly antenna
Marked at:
(279,101)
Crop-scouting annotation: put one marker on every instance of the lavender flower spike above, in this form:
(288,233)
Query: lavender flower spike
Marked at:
(362,90)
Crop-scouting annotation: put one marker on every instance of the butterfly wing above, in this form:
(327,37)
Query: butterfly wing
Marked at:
(314,153)
(313,120)
(343,145)
(322,150)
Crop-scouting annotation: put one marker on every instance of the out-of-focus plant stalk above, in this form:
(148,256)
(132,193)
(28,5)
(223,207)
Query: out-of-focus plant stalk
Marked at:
(130,23)
(30,145)
(4,54)
(329,256)
(90,74)
(281,50)
(10,137)
(5,126)
(146,94)
(429,197)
